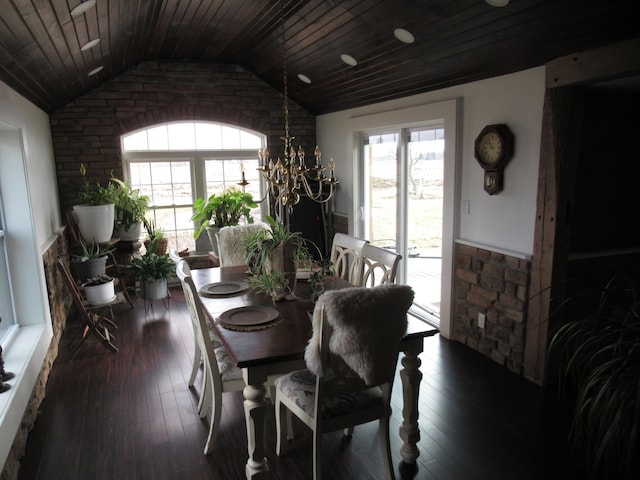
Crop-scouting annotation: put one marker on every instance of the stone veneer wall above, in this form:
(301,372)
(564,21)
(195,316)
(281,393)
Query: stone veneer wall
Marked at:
(498,286)
(60,303)
(88,129)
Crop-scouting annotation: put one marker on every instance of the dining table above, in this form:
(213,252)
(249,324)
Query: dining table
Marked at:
(275,346)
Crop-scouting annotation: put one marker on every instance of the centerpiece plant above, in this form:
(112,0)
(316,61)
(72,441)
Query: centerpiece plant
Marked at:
(274,256)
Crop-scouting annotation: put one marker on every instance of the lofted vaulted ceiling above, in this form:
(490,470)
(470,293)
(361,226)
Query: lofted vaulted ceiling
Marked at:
(456,41)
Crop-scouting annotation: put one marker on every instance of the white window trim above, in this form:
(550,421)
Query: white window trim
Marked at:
(25,352)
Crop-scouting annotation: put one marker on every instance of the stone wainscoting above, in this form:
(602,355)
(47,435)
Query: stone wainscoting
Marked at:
(60,303)
(496,285)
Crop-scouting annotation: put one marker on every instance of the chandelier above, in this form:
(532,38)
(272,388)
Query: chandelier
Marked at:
(288,176)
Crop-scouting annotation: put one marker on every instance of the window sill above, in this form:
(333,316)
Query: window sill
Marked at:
(23,356)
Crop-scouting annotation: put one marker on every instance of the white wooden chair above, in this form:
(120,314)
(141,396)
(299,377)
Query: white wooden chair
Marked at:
(379,266)
(348,381)
(346,251)
(219,373)
(231,243)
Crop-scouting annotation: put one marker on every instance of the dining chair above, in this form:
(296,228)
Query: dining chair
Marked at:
(94,322)
(379,265)
(220,375)
(346,251)
(231,243)
(350,366)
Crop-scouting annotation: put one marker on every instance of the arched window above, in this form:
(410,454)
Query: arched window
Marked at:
(176,163)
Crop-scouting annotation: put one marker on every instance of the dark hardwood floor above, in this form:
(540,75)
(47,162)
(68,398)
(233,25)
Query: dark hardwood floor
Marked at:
(130,415)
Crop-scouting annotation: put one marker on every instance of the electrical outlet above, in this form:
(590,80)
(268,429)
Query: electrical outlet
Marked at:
(481,318)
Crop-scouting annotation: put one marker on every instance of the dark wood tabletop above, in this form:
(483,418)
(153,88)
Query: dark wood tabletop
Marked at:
(288,338)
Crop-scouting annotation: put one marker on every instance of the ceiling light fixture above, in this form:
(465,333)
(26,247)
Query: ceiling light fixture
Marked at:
(349,60)
(285,177)
(90,44)
(405,36)
(95,70)
(304,78)
(498,3)
(83,7)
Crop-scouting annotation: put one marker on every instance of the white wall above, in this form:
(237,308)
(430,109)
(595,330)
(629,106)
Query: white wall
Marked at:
(499,222)
(30,201)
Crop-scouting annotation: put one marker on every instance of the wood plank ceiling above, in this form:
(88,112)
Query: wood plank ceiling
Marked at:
(456,41)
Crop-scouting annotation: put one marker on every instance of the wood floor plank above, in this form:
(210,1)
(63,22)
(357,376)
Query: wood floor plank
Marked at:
(130,415)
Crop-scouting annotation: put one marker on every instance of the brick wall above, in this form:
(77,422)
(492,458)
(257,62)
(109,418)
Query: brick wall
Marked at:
(498,286)
(88,130)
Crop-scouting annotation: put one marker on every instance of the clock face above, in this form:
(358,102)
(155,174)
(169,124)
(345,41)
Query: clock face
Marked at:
(490,148)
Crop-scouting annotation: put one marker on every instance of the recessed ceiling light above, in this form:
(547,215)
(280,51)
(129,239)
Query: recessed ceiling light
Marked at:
(83,7)
(498,3)
(349,60)
(95,70)
(304,78)
(90,44)
(403,35)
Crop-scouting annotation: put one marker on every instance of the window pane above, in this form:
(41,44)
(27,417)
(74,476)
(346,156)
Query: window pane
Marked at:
(7,316)
(158,138)
(249,141)
(182,136)
(230,138)
(208,136)
(137,141)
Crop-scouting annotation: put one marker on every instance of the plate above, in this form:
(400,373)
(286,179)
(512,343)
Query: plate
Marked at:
(223,288)
(248,316)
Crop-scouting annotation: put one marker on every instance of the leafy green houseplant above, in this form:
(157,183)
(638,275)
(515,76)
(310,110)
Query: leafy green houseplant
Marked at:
(598,358)
(90,261)
(95,211)
(152,270)
(130,206)
(220,211)
(154,232)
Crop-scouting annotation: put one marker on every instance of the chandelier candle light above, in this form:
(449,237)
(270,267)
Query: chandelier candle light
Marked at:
(284,178)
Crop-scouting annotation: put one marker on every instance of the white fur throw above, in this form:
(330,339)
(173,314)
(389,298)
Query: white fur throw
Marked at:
(231,243)
(368,324)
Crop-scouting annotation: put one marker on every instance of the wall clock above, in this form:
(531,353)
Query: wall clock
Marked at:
(493,150)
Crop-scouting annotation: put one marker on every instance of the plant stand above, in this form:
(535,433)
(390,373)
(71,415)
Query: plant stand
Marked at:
(156,290)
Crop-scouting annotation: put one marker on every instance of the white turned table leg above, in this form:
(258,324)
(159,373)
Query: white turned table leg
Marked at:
(411,377)
(254,411)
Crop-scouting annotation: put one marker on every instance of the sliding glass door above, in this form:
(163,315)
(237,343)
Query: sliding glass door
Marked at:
(403,206)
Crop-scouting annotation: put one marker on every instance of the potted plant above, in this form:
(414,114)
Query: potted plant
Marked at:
(155,232)
(597,354)
(99,290)
(220,211)
(274,256)
(95,210)
(130,208)
(91,261)
(152,271)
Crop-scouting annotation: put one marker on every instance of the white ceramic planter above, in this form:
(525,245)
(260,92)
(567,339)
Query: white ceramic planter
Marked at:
(211,232)
(155,290)
(131,234)
(95,222)
(100,294)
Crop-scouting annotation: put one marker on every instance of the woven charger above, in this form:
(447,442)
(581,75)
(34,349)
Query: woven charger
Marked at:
(249,318)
